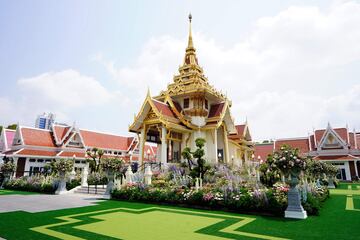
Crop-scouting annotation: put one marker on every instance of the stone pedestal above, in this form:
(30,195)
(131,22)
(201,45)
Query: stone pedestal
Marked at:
(148,175)
(294,209)
(62,184)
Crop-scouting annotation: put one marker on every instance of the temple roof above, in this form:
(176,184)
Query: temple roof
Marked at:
(191,78)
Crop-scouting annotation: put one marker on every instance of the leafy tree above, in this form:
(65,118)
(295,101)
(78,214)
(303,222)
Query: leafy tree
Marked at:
(201,167)
(186,153)
(94,159)
(12,126)
(1,127)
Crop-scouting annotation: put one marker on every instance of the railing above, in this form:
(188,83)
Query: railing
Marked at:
(96,188)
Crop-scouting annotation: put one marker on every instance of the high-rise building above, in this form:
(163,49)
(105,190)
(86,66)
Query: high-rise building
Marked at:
(44,121)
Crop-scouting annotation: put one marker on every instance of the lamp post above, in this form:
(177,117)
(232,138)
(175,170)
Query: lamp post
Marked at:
(232,160)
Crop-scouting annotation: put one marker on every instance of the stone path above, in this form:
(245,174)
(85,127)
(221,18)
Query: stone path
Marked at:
(43,202)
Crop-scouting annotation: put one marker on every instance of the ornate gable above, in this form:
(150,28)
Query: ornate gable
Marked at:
(332,140)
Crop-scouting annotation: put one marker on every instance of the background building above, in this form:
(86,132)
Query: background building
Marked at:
(45,121)
(337,146)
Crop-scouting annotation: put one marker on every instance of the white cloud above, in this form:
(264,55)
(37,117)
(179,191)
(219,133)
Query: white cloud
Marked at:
(293,71)
(286,75)
(64,93)
(65,89)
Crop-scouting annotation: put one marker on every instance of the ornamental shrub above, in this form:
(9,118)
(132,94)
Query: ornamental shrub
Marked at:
(61,165)
(7,168)
(36,183)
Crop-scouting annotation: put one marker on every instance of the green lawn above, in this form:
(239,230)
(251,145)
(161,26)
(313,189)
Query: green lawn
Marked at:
(8,192)
(125,220)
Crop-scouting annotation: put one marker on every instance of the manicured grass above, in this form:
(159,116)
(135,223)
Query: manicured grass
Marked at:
(11,192)
(125,220)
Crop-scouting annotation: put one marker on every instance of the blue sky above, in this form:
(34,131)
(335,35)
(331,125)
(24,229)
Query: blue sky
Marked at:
(292,65)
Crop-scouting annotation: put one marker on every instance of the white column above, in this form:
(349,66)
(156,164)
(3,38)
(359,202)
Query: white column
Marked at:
(163,146)
(142,144)
(226,146)
(216,146)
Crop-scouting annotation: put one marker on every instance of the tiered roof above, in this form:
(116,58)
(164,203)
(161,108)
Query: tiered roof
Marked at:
(27,141)
(348,147)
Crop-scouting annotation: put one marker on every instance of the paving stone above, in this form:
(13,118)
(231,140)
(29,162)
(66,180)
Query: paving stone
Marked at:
(44,202)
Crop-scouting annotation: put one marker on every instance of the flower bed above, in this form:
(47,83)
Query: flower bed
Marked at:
(40,184)
(265,201)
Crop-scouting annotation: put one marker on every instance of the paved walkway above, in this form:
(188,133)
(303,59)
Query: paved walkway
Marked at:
(43,202)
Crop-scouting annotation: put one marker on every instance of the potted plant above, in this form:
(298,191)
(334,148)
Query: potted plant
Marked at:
(288,161)
(61,167)
(331,172)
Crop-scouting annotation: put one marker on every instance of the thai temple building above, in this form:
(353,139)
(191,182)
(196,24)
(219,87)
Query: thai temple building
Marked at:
(337,146)
(191,108)
(32,148)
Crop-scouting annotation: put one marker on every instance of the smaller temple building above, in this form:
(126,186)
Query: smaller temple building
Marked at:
(337,146)
(32,148)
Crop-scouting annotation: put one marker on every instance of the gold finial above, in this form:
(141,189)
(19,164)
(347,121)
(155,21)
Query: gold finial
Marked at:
(190,42)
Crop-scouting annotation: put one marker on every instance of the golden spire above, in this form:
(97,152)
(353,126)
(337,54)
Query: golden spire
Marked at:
(190,41)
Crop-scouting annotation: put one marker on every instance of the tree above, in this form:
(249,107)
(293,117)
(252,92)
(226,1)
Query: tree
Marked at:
(12,126)
(201,167)
(1,127)
(94,159)
(186,153)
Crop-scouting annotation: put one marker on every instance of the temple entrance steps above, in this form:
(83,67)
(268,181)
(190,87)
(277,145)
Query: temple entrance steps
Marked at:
(92,189)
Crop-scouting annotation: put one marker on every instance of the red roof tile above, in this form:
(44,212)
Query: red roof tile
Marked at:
(301,143)
(216,110)
(33,152)
(352,140)
(104,141)
(263,150)
(240,129)
(61,131)
(71,154)
(163,108)
(318,135)
(37,137)
(343,133)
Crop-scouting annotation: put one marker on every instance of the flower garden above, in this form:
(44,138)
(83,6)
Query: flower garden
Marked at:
(262,189)
(218,201)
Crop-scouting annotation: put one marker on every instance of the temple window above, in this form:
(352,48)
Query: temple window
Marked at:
(186,103)
(206,104)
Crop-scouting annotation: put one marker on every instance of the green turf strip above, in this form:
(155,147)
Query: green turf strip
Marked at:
(334,222)
(11,192)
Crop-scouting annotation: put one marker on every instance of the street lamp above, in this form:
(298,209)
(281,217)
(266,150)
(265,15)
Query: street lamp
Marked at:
(232,159)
